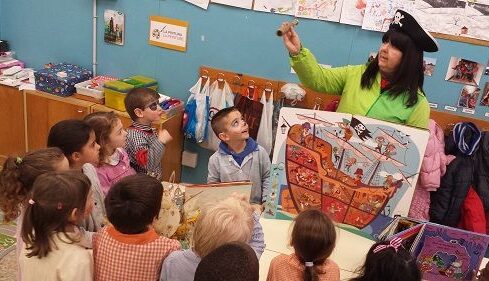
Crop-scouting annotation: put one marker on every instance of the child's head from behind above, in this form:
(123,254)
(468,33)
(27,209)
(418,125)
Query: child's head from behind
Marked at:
(18,175)
(232,261)
(142,105)
(133,203)
(218,223)
(313,238)
(229,125)
(387,262)
(77,141)
(109,132)
(58,202)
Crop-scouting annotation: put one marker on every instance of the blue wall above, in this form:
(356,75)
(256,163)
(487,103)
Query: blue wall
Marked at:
(233,39)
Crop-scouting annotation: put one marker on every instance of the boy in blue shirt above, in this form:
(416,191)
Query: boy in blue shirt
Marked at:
(239,157)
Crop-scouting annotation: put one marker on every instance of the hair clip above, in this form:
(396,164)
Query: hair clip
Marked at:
(31,202)
(394,243)
(60,206)
(309,264)
(18,160)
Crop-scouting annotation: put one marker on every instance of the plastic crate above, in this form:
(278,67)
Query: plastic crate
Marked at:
(115,99)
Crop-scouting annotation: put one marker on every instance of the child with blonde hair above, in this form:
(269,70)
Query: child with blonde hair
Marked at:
(230,220)
(113,159)
(313,239)
(16,179)
(58,202)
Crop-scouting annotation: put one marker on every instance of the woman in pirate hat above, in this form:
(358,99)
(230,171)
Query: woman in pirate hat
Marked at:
(389,88)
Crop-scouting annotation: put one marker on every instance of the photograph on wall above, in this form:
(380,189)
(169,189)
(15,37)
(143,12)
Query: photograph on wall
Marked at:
(485,96)
(285,7)
(360,171)
(464,71)
(114,27)
(328,10)
(429,65)
(468,97)
(353,11)
(380,13)
(199,3)
(245,4)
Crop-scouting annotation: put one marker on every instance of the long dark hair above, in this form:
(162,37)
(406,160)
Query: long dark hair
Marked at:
(313,239)
(409,78)
(54,197)
(388,265)
(70,136)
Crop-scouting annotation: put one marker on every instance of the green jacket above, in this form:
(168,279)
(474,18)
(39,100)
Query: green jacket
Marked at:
(345,81)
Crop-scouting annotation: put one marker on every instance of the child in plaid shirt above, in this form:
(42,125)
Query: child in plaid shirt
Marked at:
(130,249)
(144,146)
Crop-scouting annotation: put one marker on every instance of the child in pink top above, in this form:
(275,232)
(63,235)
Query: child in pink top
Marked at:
(111,136)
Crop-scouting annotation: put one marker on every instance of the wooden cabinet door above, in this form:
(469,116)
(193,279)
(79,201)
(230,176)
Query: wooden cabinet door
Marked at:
(44,111)
(12,131)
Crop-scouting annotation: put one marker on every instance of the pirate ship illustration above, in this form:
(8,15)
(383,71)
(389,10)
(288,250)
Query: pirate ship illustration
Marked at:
(347,170)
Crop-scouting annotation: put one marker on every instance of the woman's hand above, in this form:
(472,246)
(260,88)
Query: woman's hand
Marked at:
(291,39)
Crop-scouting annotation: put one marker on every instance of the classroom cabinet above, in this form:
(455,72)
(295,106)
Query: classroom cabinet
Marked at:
(44,110)
(172,159)
(12,130)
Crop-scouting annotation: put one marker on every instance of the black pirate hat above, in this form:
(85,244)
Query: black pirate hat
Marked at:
(406,24)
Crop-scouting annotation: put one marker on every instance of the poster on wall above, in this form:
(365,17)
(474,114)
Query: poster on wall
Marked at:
(353,11)
(358,170)
(114,27)
(328,10)
(199,3)
(168,33)
(245,4)
(286,7)
(469,96)
(464,71)
(429,65)
(485,96)
(380,13)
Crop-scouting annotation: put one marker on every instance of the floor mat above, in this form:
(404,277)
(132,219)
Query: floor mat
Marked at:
(7,239)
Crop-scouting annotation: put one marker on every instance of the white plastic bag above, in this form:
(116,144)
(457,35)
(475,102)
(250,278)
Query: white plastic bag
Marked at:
(264,137)
(196,127)
(218,99)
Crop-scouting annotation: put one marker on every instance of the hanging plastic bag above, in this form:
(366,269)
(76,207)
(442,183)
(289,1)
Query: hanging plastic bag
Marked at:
(218,99)
(264,137)
(250,109)
(197,111)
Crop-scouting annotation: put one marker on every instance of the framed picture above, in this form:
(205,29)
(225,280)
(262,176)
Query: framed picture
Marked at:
(168,33)
(114,27)
(464,71)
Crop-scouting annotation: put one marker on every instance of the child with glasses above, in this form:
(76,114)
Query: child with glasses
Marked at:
(144,145)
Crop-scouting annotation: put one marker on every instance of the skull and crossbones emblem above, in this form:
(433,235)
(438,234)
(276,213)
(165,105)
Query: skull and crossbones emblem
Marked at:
(397,18)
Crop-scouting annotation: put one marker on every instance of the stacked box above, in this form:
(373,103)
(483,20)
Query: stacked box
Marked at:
(115,91)
(60,79)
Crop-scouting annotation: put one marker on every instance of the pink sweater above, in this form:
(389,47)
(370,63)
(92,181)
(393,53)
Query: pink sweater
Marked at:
(433,167)
(117,169)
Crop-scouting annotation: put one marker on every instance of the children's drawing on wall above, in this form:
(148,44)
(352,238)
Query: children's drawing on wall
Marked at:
(371,56)
(485,96)
(464,71)
(114,27)
(353,11)
(245,4)
(199,3)
(477,20)
(429,65)
(360,171)
(380,13)
(468,96)
(275,6)
(329,10)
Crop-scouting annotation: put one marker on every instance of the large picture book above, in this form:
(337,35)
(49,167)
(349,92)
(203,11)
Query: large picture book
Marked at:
(182,204)
(360,171)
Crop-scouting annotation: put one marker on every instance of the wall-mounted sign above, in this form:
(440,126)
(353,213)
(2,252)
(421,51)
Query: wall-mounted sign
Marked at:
(168,33)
